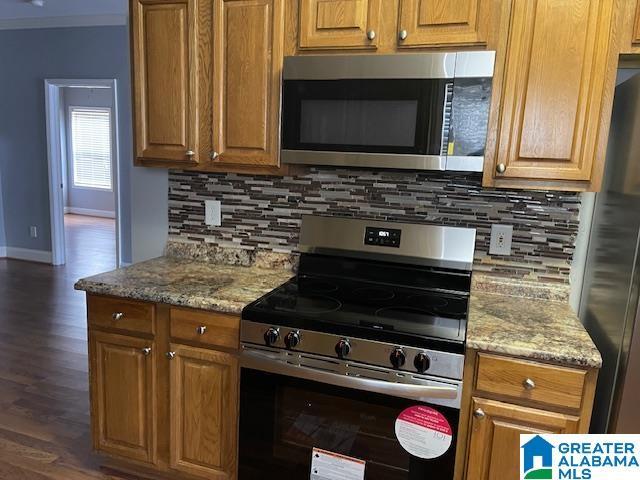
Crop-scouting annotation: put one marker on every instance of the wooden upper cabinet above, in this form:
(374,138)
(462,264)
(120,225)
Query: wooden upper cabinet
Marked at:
(557,94)
(164,71)
(630,28)
(494,444)
(248,44)
(424,23)
(123,396)
(339,23)
(204,412)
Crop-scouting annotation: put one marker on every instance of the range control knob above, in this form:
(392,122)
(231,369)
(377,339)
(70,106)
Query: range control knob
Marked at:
(343,348)
(398,358)
(292,340)
(422,362)
(271,336)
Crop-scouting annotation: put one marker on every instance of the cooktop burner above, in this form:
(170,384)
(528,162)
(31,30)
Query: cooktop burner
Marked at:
(313,305)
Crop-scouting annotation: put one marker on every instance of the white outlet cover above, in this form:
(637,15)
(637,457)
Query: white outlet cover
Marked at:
(213,213)
(501,236)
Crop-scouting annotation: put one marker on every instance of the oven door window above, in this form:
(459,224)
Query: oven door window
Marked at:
(408,116)
(283,418)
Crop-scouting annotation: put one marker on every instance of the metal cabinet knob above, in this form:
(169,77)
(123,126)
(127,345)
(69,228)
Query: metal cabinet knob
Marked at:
(201,330)
(213,155)
(190,153)
(146,351)
(371,34)
(479,414)
(529,384)
(403,34)
(117,316)
(501,168)
(171,355)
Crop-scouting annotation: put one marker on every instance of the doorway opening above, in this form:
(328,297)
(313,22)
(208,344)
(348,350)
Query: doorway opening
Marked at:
(82,147)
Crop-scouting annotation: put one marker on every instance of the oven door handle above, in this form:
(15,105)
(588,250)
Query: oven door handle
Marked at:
(266,363)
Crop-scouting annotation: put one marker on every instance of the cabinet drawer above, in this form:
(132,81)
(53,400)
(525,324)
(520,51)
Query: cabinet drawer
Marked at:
(121,313)
(530,381)
(207,328)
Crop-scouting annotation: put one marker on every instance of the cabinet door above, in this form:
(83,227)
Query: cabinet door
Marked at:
(164,75)
(630,31)
(248,55)
(339,23)
(557,92)
(204,412)
(494,444)
(426,23)
(123,396)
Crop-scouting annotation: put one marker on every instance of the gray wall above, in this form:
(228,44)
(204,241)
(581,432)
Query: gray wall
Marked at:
(79,197)
(3,239)
(28,57)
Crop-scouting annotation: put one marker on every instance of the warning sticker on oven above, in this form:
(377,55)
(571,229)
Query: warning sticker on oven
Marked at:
(333,466)
(423,432)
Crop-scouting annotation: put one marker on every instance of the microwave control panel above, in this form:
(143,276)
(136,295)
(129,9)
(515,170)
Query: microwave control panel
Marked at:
(382,237)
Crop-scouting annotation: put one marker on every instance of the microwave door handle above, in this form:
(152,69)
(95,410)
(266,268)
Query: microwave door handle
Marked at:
(267,363)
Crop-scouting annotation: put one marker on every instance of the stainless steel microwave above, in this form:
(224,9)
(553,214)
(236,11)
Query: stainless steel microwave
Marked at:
(422,111)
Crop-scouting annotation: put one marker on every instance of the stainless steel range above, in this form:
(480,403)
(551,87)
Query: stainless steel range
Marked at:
(359,358)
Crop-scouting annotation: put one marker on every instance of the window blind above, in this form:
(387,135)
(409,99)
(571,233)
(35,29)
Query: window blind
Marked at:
(91,147)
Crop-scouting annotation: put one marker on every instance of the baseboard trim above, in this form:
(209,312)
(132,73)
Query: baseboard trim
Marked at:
(40,256)
(90,212)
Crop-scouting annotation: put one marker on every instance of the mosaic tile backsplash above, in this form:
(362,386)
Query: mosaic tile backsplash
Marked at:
(264,212)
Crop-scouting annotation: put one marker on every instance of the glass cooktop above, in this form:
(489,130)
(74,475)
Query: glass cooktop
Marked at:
(365,309)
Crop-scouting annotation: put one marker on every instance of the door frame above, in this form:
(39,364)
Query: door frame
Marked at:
(56,152)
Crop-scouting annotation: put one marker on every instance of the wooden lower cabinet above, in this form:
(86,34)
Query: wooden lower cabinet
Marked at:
(164,405)
(123,396)
(203,395)
(494,442)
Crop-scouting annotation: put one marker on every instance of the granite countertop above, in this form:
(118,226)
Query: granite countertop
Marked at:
(190,282)
(226,280)
(538,329)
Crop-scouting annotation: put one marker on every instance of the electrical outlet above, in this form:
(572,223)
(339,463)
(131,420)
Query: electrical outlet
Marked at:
(212,213)
(33,231)
(501,239)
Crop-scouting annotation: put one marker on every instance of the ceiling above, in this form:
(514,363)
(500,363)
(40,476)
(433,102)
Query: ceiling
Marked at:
(21,9)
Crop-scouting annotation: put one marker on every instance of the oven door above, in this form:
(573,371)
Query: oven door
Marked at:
(287,410)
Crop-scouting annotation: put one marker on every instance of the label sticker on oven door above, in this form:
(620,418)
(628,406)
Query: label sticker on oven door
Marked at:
(423,432)
(333,466)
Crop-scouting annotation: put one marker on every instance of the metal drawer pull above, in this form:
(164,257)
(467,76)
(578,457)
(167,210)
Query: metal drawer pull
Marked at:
(117,316)
(213,155)
(479,414)
(201,330)
(529,384)
(412,391)
(171,355)
(403,34)
(371,34)
(501,168)
(190,153)
(146,351)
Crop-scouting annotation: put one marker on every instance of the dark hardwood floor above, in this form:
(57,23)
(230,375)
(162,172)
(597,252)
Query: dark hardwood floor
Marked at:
(44,400)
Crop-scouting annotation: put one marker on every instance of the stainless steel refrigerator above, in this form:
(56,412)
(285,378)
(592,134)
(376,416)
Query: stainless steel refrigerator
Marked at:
(609,302)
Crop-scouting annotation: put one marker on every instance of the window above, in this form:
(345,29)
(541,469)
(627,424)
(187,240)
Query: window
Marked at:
(91,147)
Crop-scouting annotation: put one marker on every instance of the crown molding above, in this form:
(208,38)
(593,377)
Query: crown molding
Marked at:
(63,21)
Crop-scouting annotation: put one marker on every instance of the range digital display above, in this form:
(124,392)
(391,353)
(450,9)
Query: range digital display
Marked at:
(382,237)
